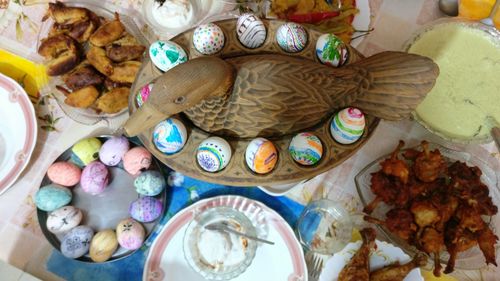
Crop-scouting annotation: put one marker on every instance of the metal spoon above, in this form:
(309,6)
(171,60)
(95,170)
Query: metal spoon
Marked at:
(221,226)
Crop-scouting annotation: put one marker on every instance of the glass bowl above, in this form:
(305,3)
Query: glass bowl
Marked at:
(165,31)
(471,259)
(207,251)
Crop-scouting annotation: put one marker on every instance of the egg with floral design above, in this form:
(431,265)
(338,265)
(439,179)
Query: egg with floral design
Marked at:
(166,54)
(130,234)
(64,219)
(170,136)
(348,125)
(208,39)
(261,155)
(213,154)
(330,50)
(306,149)
(291,37)
(146,209)
(95,178)
(76,242)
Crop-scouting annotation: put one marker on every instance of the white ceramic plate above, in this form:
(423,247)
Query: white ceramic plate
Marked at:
(282,261)
(18,131)
(384,255)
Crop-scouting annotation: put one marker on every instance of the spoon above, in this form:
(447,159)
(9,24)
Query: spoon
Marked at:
(222,226)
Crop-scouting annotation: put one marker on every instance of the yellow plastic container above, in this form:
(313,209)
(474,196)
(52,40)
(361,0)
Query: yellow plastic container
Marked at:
(475,9)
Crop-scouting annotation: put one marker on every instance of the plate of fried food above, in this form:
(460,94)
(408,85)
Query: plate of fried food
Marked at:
(92,54)
(435,200)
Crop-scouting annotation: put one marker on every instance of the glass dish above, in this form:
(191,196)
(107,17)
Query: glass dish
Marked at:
(471,259)
(164,31)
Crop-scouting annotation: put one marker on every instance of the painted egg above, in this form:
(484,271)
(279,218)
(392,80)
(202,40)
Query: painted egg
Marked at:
(170,136)
(208,39)
(51,197)
(146,209)
(64,173)
(165,55)
(306,149)
(136,159)
(143,94)
(113,150)
(86,151)
(261,155)
(76,242)
(64,219)
(251,31)
(291,37)
(348,125)
(150,183)
(95,178)
(103,245)
(130,234)
(331,50)
(213,154)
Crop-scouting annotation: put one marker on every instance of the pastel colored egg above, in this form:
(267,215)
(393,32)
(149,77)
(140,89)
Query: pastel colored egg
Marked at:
(51,197)
(306,149)
(76,242)
(166,55)
(64,173)
(64,219)
(213,154)
(113,150)
(170,136)
(208,39)
(150,183)
(136,159)
(331,50)
(86,150)
(348,125)
(261,155)
(146,209)
(251,31)
(291,37)
(130,234)
(95,178)
(143,94)
(103,245)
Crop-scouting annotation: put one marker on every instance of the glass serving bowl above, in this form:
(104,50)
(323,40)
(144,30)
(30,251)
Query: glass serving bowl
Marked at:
(171,26)
(471,259)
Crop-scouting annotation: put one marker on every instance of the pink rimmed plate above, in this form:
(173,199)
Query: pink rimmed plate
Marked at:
(282,261)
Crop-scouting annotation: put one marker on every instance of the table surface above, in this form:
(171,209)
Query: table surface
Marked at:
(21,240)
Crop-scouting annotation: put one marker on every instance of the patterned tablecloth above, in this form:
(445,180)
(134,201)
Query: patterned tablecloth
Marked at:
(22,243)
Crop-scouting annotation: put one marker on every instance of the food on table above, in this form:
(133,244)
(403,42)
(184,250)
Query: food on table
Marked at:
(65,16)
(291,37)
(61,53)
(103,245)
(64,219)
(136,160)
(130,234)
(208,39)
(82,76)
(348,125)
(64,173)
(173,13)
(86,150)
(108,32)
(358,268)
(95,178)
(166,54)
(436,205)
(83,97)
(170,136)
(306,149)
(213,154)
(51,197)
(261,155)
(251,31)
(146,209)
(97,58)
(125,72)
(76,242)
(150,183)
(330,50)
(113,150)
(143,94)
(396,271)
(113,101)
(125,49)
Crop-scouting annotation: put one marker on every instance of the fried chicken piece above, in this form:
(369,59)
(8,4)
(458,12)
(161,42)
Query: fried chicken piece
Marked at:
(125,49)
(110,84)
(398,221)
(470,219)
(82,76)
(429,164)
(457,240)
(382,186)
(125,72)
(358,268)
(61,52)
(432,242)
(82,30)
(113,101)
(487,240)
(82,98)
(108,32)
(447,206)
(425,213)
(397,272)
(396,167)
(64,15)
(98,59)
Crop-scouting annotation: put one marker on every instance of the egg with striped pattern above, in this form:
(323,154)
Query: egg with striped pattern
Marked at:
(348,125)
(251,31)
(291,37)
(213,154)
(306,149)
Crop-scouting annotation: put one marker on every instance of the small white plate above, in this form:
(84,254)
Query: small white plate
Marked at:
(18,131)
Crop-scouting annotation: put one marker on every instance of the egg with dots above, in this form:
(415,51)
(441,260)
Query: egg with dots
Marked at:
(76,242)
(64,219)
(143,94)
(150,183)
(103,245)
(348,125)
(64,173)
(213,154)
(166,55)
(170,136)
(136,160)
(95,178)
(291,37)
(113,150)
(261,155)
(146,209)
(251,31)
(306,149)
(330,50)
(86,151)
(130,234)
(208,39)
(52,196)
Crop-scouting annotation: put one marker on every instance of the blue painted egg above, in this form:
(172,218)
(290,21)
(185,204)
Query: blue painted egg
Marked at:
(51,197)
(348,125)
(146,209)
(76,242)
(213,154)
(306,149)
(331,50)
(150,183)
(170,136)
(113,150)
(166,55)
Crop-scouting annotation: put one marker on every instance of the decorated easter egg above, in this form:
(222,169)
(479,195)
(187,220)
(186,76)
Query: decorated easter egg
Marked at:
(76,242)
(165,54)
(51,197)
(103,245)
(146,209)
(136,159)
(113,150)
(331,50)
(251,31)
(261,155)
(143,94)
(348,125)
(306,149)
(86,150)
(130,234)
(64,219)
(291,37)
(95,177)
(213,154)
(64,173)
(150,183)
(208,39)
(169,136)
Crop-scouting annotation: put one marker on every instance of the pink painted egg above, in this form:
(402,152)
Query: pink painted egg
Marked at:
(64,173)
(130,234)
(95,177)
(136,160)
